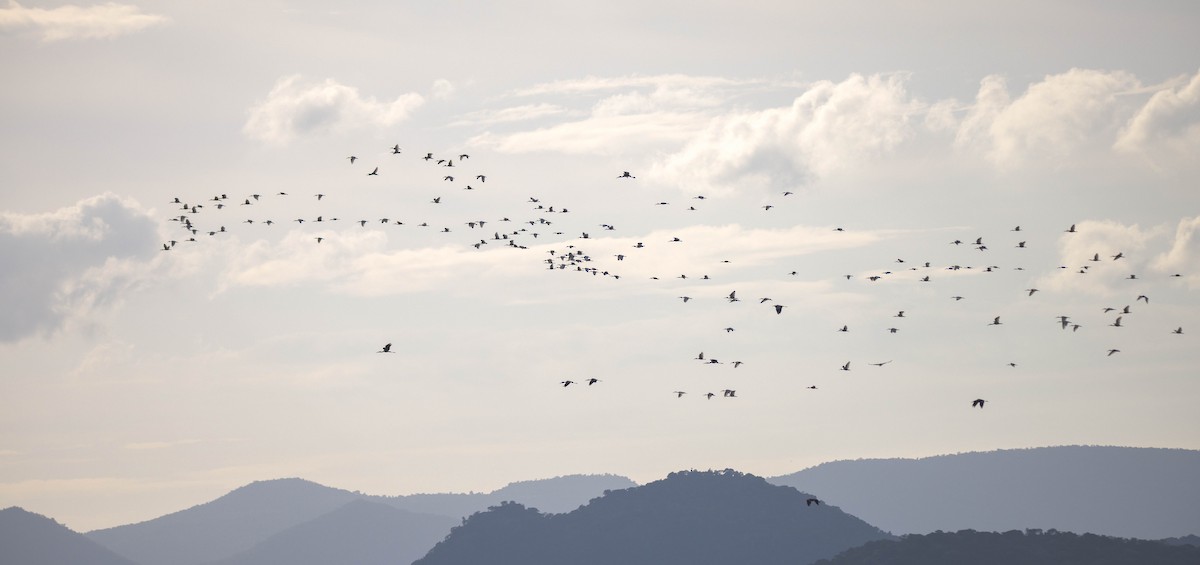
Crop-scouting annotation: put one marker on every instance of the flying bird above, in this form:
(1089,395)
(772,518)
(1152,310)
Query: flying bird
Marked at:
(978,402)
(374,172)
(386,349)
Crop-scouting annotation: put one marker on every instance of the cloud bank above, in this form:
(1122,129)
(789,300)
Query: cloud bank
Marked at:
(104,21)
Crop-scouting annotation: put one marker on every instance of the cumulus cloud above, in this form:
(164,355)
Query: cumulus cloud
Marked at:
(103,21)
(296,107)
(1167,126)
(1052,120)
(63,264)
(829,127)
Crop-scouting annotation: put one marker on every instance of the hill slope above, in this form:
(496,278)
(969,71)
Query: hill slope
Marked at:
(361,532)
(32,539)
(1120,491)
(225,526)
(692,518)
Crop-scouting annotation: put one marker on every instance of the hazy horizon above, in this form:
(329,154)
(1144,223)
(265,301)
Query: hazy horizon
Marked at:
(823,157)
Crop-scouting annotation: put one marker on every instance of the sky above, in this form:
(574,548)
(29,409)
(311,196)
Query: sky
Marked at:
(930,168)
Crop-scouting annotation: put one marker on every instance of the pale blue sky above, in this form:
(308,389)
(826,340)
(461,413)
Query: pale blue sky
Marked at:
(136,381)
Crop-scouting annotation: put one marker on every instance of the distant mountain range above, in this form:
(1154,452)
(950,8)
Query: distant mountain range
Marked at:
(234,526)
(1118,491)
(691,517)
(1149,494)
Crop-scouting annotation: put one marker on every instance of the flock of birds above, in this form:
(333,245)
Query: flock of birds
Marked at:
(213,216)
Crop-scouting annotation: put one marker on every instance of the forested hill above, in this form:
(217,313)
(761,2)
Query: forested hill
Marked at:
(692,518)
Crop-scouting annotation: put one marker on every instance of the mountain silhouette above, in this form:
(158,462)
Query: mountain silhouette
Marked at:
(1031,547)
(32,539)
(558,494)
(230,524)
(245,517)
(690,517)
(362,532)
(1145,493)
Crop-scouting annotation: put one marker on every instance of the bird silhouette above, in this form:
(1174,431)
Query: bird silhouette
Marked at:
(386,349)
(374,172)
(812,501)
(978,402)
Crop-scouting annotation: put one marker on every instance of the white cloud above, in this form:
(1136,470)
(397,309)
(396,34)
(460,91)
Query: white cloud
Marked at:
(356,263)
(103,21)
(601,134)
(672,82)
(63,264)
(1054,119)
(1167,127)
(296,107)
(829,127)
(647,113)
(513,114)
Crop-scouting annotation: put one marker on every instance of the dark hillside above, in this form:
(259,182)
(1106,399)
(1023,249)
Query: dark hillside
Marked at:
(1032,547)
(690,518)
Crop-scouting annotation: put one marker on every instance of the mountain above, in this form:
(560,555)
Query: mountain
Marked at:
(1144,493)
(238,521)
(1032,547)
(230,524)
(558,494)
(694,518)
(362,532)
(32,539)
